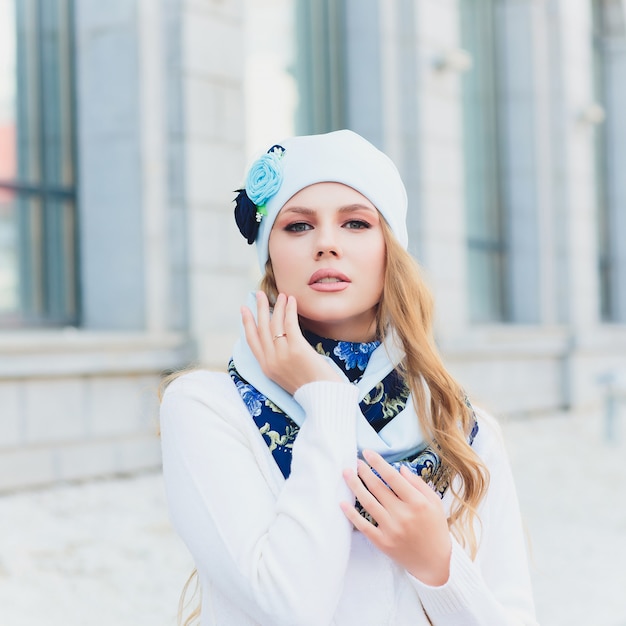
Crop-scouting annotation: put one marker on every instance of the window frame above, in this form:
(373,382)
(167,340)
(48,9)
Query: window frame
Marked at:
(47,265)
(487,247)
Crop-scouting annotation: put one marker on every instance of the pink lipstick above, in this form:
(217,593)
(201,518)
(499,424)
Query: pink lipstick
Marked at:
(328,280)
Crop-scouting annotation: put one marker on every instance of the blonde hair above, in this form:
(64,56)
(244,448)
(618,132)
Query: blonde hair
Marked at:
(406,306)
(183,603)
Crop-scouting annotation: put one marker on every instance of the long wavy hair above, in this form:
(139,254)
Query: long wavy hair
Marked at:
(406,306)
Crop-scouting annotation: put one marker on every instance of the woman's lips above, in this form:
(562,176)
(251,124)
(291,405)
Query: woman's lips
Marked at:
(328,280)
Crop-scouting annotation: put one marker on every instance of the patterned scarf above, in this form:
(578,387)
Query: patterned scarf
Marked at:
(381,405)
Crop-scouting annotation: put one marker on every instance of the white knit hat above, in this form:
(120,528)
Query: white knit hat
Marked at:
(341,157)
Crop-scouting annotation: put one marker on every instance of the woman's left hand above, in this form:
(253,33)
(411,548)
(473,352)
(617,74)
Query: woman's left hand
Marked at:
(412,525)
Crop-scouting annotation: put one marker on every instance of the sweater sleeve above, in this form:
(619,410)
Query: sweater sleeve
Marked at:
(494,588)
(279,553)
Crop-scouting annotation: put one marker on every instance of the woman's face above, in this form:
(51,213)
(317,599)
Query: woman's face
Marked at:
(327,250)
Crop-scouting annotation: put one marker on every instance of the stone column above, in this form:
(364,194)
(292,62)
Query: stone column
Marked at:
(109,152)
(574,182)
(213,151)
(576,253)
(441,244)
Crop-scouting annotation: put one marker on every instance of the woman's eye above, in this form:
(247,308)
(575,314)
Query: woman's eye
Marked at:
(298,227)
(356,224)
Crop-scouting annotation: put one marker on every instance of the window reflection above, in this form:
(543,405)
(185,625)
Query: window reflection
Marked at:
(8,254)
(271,88)
(37,180)
(485,206)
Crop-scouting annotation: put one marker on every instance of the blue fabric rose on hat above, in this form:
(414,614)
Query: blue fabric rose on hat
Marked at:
(265,176)
(263,181)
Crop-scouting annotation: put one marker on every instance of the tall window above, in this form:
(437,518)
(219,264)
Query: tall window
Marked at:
(320,65)
(37,168)
(606,263)
(271,88)
(487,250)
(294,78)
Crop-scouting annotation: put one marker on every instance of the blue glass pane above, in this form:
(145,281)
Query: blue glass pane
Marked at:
(485,285)
(55,51)
(8,96)
(483,174)
(9,262)
(60,264)
(27,118)
(606,262)
(37,260)
(31,245)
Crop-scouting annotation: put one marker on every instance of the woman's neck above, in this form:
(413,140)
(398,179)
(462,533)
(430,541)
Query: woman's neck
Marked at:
(352,331)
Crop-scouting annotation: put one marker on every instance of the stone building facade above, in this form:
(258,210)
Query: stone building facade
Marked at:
(502,115)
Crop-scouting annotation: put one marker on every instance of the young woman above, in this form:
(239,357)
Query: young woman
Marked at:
(337,474)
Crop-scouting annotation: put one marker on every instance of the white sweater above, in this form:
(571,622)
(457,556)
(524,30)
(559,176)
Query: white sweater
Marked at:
(279,552)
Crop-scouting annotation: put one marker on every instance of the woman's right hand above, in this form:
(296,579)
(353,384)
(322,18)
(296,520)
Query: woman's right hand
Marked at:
(279,346)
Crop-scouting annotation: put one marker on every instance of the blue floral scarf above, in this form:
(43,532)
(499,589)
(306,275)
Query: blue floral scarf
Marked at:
(385,401)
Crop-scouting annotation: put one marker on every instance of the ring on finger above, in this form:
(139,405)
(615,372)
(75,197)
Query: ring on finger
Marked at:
(275,337)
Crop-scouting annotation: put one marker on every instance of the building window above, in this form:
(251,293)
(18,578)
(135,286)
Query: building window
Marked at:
(271,88)
(37,166)
(294,80)
(604,24)
(320,65)
(487,247)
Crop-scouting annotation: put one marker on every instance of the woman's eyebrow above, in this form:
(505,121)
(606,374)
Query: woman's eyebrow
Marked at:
(299,209)
(356,207)
(349,208)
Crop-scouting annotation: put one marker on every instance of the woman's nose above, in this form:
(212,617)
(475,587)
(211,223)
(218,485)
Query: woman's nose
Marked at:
(327,243)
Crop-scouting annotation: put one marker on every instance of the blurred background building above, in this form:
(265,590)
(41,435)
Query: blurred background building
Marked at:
(125,126)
